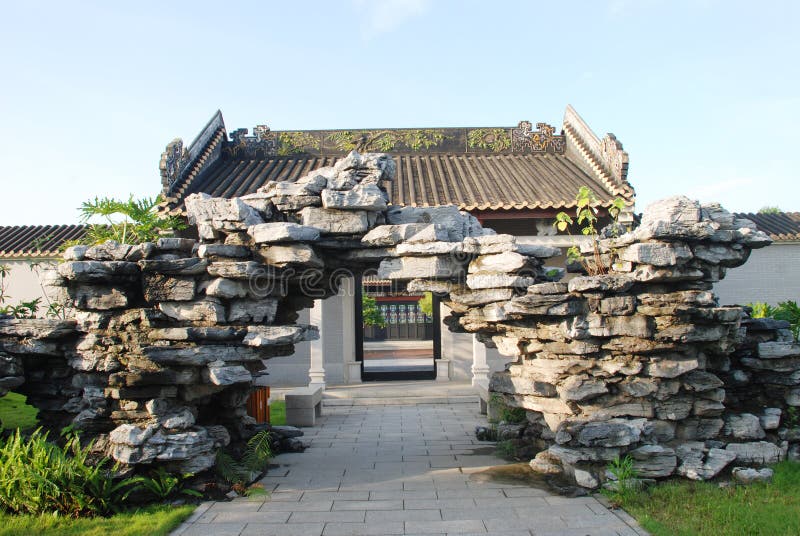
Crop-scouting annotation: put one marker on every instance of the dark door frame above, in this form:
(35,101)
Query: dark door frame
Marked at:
(394,376)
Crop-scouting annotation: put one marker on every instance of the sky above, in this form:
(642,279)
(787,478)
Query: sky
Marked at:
(703,94)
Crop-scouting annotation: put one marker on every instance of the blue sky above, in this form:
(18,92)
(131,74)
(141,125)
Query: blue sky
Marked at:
(703,95)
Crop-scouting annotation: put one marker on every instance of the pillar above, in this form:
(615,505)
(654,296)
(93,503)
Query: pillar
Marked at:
(316,372)
(480,367)
(352,368)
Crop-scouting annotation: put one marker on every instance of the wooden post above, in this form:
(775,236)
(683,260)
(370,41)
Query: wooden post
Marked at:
(258,404)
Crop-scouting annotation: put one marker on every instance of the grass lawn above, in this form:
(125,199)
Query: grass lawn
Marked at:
(703,508)
(15,413)
(154,520)
(277,412)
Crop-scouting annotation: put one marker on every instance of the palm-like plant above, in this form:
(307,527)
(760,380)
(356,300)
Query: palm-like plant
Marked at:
(130,222)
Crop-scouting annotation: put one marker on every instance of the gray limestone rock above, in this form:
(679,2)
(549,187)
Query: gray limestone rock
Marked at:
(391,235)
(267,233)
(483,281)
(757,452)
(108,251)
(778,350)
(97,297)
(200,355)
(157,287)
(696,465)
(262,310)
(585,479)
(771,418)
(602,283)
(235,270)
(177,266)
(362,197)
(748,475)
(580,388)
(98,271)
(226,288)
(507,262)
(481,297)
(457,223)
(700,381)
(329,221)
(275,335)
(743,426)
(215,251)
(430,248)
(419,267)
(293,254)
(656,253)
(612,433)
(218,373)
(212,214)
(206,311)
(654,461)
(671,365)
(651,274)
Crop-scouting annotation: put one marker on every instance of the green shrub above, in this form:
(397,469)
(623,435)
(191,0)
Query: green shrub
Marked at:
(787,310)
(255,459)
(506,449)
(163,485)
(627,483)
(506,413)
(37,477)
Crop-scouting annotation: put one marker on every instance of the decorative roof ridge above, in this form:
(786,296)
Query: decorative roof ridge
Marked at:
(179,166)
(606,157)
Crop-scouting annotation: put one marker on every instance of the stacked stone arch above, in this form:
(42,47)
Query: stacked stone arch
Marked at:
(170,337)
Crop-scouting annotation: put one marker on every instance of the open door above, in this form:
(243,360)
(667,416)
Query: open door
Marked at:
(399,332)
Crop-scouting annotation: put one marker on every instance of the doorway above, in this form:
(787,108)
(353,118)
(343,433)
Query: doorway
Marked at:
(397,332)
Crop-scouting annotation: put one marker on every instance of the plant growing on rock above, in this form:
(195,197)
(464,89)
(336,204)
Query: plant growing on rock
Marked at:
(129,222)
(254,461)
(586,217)
(625,483)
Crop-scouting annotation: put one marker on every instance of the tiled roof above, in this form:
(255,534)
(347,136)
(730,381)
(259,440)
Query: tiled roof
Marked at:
(780,226)
(485,169)
(473,182)
(36,240)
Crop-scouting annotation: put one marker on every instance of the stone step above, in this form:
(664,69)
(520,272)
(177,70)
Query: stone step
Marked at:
(399,401)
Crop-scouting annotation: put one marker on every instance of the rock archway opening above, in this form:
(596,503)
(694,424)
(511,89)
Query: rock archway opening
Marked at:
(170,337)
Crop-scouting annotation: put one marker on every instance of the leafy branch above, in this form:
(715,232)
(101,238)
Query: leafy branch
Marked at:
(129,222)
(586,215)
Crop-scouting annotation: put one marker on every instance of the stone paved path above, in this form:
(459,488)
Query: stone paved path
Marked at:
(400,469)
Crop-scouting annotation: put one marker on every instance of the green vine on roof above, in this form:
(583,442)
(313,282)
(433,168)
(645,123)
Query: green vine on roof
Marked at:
(296,142)
(494,139)
(385,140)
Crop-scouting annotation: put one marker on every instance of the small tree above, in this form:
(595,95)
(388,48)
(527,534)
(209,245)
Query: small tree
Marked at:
(371,313)
(130,222)
(586,212)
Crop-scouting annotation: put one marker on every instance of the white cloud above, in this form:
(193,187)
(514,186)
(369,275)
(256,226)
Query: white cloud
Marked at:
(382,16)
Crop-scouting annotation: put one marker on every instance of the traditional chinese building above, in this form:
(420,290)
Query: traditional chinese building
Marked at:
(513,179)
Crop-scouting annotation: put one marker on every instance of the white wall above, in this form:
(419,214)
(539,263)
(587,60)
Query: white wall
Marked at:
(22,284)
(771,275)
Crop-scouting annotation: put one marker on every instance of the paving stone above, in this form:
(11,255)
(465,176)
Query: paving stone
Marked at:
(369,529)
(447,527)
(289,529)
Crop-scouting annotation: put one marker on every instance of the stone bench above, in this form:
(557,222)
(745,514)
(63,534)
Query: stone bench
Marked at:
(482,388)
(303,406)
